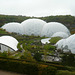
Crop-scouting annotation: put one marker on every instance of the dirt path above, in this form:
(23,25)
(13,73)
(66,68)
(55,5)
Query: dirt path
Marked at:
(8,73)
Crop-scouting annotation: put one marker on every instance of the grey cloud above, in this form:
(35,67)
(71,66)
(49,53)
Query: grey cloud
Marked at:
(37,7)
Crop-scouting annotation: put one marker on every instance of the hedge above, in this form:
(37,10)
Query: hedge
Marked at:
(28,68)
(19,67)
(62,72)
(49,71)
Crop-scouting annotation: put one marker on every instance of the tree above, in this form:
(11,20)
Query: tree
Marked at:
(19,47)
(37,56)
(68,59)
(27,56)
(53,40)
(4,54)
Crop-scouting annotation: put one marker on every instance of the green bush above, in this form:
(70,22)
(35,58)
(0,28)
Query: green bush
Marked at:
(53,40)
(70,68)
(4,54)
(28,67)
(19,47)
(19,67)
(59,67)
(68,59)
(27,56)
(37,57)
(52,47)
(62,72)
(49,71)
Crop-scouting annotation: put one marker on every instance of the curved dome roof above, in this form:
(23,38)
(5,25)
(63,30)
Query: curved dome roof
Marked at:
(69,43)
(9,41)
(52,27)
(60,34)
(33,26)
(13,27)
(59,44)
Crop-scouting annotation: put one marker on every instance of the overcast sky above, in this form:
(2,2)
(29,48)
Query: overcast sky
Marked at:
(37,7)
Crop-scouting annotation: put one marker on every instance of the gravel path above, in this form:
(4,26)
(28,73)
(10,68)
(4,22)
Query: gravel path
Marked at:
(8,73)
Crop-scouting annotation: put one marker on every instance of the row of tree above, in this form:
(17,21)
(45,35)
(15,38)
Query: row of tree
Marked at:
(67,20)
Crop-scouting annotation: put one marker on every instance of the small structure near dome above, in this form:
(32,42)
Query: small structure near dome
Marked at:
(45,41)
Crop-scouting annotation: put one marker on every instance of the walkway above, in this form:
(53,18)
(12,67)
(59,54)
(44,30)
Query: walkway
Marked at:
(8,73)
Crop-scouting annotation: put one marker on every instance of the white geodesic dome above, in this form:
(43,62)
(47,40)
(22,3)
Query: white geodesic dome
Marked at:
(67,44)
(70,43)
(8,42)
(13,27)
(33,26)
(59,44)
(52,27)
(60,34)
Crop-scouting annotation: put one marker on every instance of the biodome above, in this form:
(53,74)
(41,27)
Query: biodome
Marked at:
(60,34)
(67,44)
(8,43)
(59,44)
(70,43)
(13,27)
(33,26)
(52,27)
(38,27)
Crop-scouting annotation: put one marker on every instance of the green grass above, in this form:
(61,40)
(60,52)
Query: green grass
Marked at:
(2,31)
(53,40)
(65,72)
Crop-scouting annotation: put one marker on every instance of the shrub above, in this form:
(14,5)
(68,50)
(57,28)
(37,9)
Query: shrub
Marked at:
(37,57)
(46,70)
(62,72)
(19,47)
(4,54)
(28,67)
(53,40)
(68,59)
(59,67)
(19,67)
(27,56)
(49,70)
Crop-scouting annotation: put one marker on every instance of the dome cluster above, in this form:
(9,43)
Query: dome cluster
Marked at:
(38,27)
(67,44)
